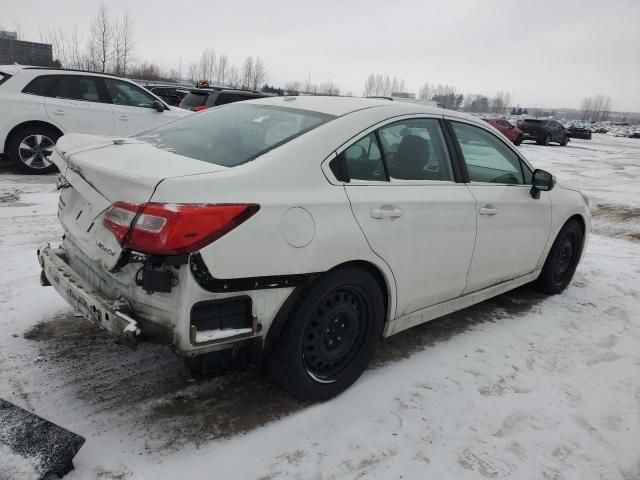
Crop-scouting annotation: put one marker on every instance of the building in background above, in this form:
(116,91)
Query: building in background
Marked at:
(13,50)
(4,35)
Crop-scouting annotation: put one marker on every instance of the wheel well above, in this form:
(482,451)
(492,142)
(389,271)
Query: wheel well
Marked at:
(580,220)
(283,314)
(31,123)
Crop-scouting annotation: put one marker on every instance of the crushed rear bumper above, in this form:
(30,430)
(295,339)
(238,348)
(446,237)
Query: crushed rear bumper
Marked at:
(112,315)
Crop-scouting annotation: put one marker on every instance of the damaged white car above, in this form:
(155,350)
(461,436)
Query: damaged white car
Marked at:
(295,232)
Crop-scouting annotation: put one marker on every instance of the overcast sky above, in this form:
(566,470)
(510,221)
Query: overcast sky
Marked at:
(548,53)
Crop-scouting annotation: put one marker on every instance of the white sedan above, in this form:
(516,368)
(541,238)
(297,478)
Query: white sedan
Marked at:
(295,232)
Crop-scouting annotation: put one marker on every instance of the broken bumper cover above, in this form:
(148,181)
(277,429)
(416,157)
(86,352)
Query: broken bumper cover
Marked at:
(114,316)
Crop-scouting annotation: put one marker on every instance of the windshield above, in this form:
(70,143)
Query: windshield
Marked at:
(233,134)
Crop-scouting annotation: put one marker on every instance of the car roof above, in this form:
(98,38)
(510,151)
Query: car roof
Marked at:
(15,68)
(339,106)
(210,90)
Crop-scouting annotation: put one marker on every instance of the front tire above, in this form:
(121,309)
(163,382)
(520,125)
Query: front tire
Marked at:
(547,140)
(330,336)
(562,259)
(564,141)
(30,148)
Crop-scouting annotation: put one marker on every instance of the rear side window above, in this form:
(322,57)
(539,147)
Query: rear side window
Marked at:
(127,94)
(4,77)
(194,99)
(42,86)
(363,160)
(487,158)
(76,87)
(415,150)
(235,134)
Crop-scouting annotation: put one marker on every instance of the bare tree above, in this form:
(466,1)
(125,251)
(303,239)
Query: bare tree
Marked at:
(501,102)
(398,85)
(126,40)
(246,74)
(233,77)
(101,38)
(292,88)
(223,69)
(258,74)
(193,71)
(425,92)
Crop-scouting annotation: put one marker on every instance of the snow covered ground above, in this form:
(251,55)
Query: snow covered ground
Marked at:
(523,386)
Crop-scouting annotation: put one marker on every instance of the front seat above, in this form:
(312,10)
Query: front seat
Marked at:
(410,159)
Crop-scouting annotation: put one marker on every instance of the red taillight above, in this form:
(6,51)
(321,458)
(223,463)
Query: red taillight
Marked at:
(199,108)
(173,229)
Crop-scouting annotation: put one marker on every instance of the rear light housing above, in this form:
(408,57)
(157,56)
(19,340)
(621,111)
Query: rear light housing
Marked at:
(173,229)
(200,108)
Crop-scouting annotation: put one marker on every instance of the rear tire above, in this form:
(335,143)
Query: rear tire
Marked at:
(330,336)
(30,148)
(518,140)
(547,140)
(563,258)
(564,141)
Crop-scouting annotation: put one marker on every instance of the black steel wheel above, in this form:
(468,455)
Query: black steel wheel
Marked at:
(547,140)
(30,149)
(330,335)
(563,258)
(335,334)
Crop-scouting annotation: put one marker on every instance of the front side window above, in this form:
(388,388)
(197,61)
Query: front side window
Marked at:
(487,158)
(234,134)
(363,160)
(124,93)
(415,150)
(76,87)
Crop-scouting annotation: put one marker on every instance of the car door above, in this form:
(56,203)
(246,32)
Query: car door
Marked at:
(78,104)
(513,227)
(132,107)
(415,216)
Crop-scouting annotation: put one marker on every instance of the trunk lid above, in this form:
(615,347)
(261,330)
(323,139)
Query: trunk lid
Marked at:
(98,171)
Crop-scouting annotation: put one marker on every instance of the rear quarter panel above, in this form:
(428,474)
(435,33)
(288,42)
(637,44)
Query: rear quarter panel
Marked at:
(290,176)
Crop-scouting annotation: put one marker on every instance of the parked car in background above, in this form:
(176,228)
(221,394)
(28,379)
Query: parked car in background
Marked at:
(634,135)
(38,105)
(171,94)
(505,127)
(202,98)
(295,232)
(576,131)
(543,132)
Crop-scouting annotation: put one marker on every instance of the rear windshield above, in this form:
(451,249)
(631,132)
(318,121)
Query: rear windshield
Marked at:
(233,134)
(194,99)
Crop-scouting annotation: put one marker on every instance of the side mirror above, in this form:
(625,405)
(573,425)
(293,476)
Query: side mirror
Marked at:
(543,181)
(158,106)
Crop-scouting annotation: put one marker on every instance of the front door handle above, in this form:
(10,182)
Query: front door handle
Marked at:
(124,118)
(488,210)
(380,213)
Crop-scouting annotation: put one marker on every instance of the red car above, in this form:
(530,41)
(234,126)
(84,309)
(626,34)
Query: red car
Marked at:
(510,131)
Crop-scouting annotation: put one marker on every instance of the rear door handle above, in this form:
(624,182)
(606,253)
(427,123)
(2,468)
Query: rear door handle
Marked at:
(488,210)
(379,213)
(124,118)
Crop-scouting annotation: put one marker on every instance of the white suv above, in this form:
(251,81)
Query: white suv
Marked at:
(39,105)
